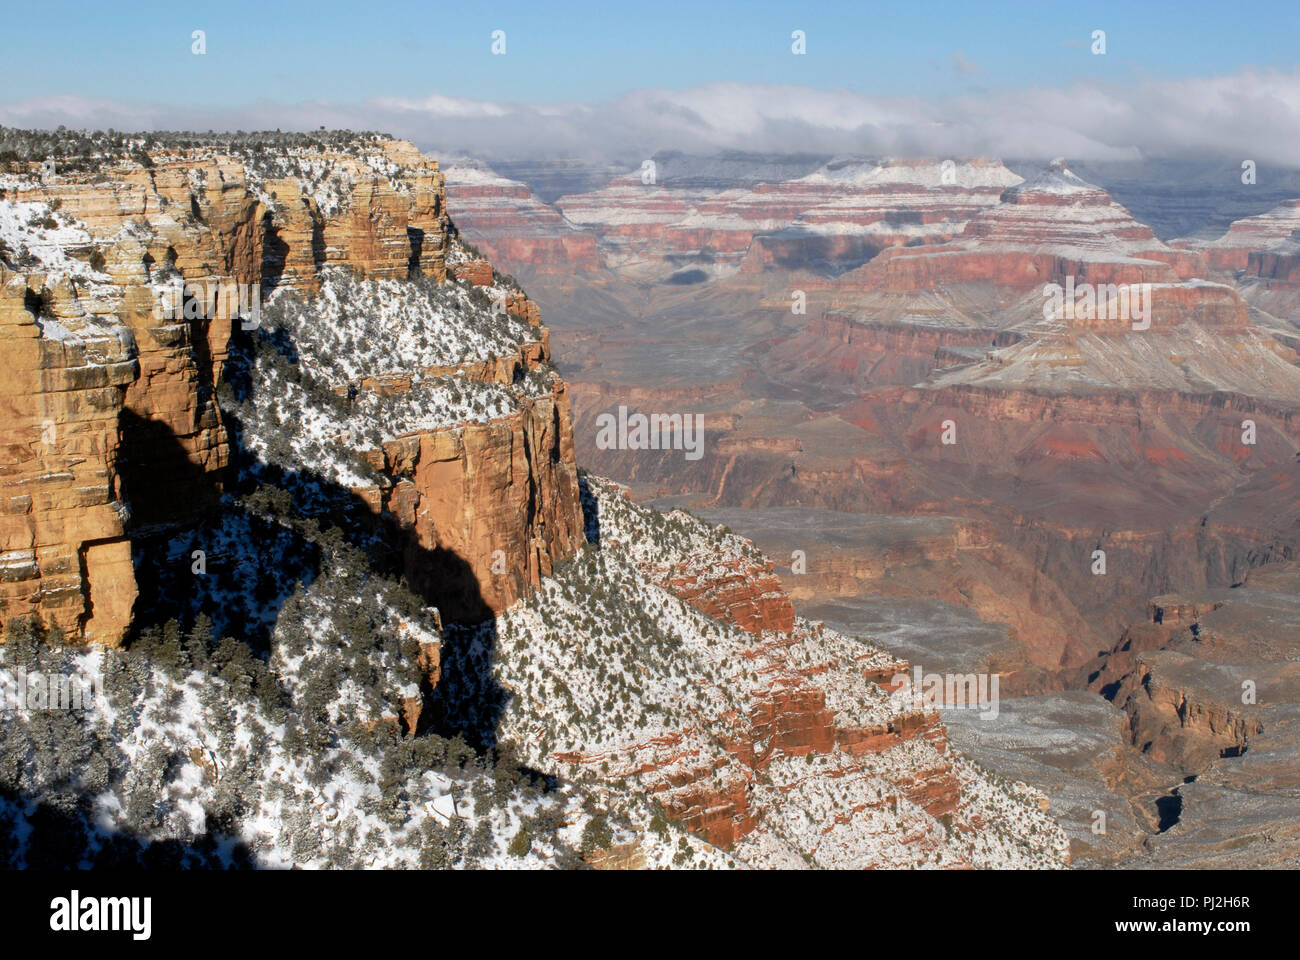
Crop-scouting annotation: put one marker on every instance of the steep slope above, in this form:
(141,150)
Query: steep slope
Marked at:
(642,671)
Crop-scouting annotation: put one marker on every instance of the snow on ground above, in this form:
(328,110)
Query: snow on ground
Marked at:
(357,328)
(322,177)
(298,409)
(46,234)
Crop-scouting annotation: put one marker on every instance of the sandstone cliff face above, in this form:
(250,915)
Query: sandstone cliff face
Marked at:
(64,553)
(1233,250)
(1278,263)
(499,497)
(112,428)
(382,213)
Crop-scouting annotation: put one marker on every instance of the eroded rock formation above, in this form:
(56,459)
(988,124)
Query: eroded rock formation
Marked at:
(112,429)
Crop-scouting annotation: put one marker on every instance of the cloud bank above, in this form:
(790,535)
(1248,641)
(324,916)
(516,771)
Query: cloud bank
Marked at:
(1248,115)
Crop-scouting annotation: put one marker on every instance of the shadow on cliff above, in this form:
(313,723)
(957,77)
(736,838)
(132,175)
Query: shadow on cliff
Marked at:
(827,256)
(275,251)
(468,701)
(197,550)
(590,510)
(58,839)
(235,545)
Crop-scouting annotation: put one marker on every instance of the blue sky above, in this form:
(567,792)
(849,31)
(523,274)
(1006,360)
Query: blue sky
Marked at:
(351,51)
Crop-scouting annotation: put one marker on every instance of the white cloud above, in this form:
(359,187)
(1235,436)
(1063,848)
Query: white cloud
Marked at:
(1252,114)
(435,105)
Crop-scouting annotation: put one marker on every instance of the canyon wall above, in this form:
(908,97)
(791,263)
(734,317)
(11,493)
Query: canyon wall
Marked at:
(111,428)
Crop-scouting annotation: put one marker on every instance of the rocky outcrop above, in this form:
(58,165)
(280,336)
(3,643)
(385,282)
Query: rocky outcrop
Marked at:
(1187,713)
(112,429)
(1278,263)
(382,214)
(477,272)
(741,591)
(64,556)
(1236,248)
(488,507)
